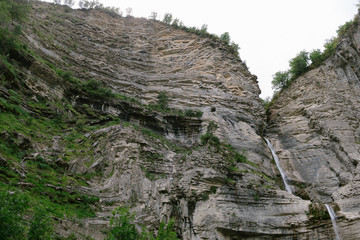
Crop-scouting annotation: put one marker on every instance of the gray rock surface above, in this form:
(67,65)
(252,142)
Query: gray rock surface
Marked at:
(315,127)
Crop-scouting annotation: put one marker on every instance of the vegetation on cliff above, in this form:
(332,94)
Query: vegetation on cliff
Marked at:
(305,61)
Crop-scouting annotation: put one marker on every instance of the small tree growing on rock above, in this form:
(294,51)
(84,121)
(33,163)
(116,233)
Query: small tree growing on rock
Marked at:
(167,18)
(163,100)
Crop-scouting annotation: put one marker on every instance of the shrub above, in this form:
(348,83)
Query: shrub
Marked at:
(166,231)
(11,11)
(192,113)
(316,57)
(122,225)
(280,80)
(163,100)
(225,37)
(299,64)
(93,88)
(123,228)
(167,18)
(209,136)
(41,226)
(12,209)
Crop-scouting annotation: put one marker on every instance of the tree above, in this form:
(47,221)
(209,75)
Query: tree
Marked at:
(299,64)
(281,80)
(166,231)
(167,18)
(316,57)
(122,225)
(128,11)
(203,29)
(153,15)
(57,1)
(225,37)
(175,22)
(70,3)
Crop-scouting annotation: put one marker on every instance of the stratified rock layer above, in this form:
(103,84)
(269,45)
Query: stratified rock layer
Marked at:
(315,125)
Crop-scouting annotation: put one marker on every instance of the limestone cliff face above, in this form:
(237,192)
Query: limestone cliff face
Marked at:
(315,124)
(154,161)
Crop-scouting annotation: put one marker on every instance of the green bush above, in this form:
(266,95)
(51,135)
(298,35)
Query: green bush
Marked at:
(192,113)
(41,226)
(167,18)
(209,136)
(316,57)
(122,227)
(299,64)
(163,101)
(12,209)
(225,37)
(281,80)
(10,12)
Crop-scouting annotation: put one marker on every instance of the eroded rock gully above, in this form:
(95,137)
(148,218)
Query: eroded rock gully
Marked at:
(155,162)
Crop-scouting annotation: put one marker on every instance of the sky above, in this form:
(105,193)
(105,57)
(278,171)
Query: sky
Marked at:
(269,33)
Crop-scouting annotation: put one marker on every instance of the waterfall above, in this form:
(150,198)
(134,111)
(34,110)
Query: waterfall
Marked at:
(333,220)
(283,175)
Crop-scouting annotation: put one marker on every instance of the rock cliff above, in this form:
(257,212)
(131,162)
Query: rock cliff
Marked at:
(217,182)
(315,127)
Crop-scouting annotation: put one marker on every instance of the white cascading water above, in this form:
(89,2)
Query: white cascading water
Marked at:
(288,189)
(283,175)
(333,220)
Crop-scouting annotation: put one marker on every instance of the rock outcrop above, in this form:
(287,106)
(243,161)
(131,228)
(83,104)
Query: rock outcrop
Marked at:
(315,127)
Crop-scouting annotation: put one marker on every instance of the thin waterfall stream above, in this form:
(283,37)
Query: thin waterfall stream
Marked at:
(333,220)
(283,175)
(288,188)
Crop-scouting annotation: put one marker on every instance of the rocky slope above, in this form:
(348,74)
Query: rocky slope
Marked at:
(315,127)
(154,160)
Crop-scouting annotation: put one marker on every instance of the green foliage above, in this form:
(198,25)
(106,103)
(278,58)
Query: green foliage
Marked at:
(41,226)
(122,227)
(85,4)
(94,89)
(11,12)
(167,18)
(69,3)
(163,100)
(209,137)
(330,46)
(316,57)
(317,212)
(280,80)
(299,64)
(12,209)
(225,37)
(213,189)
(192,113)
(166,231)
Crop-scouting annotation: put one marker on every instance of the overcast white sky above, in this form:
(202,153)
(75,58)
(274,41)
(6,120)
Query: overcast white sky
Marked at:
(269,32)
